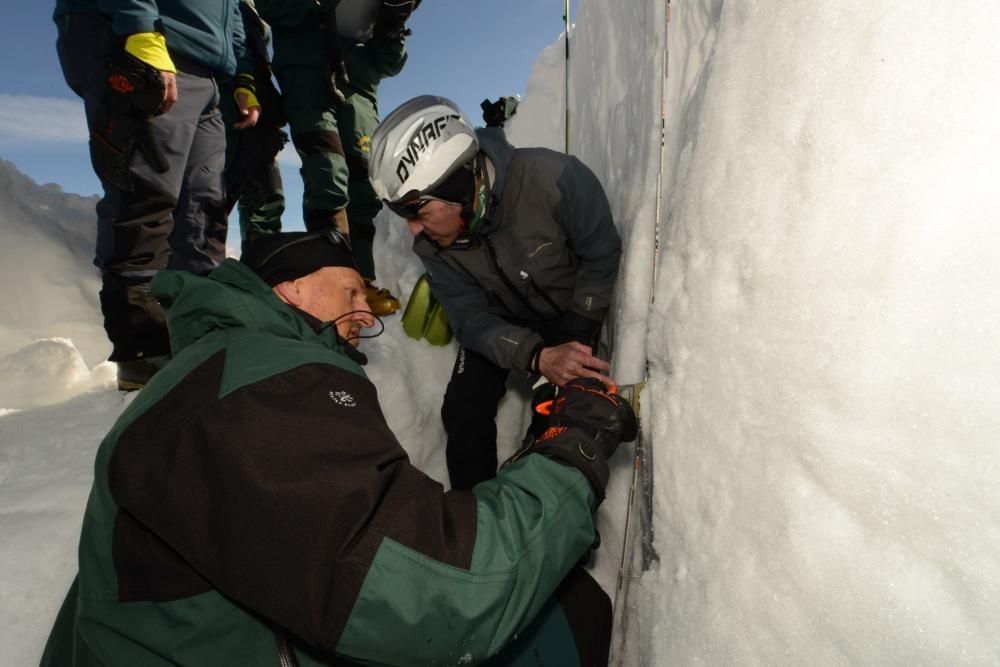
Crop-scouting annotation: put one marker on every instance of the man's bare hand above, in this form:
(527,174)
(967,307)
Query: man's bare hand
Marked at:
(169,91)
(562,363)
(249,113)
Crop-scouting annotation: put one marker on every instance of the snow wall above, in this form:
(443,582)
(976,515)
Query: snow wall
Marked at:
(823,366)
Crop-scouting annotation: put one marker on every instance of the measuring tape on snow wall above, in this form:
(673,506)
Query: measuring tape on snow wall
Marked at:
(640,495)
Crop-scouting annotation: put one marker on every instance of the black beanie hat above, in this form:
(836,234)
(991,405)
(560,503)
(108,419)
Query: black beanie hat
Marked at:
(291,255)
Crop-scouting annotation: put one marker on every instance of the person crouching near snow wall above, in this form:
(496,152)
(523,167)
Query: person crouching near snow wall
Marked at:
(252,507)
(521,251)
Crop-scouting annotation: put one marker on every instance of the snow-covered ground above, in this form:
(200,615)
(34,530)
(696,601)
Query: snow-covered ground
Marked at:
(823,366)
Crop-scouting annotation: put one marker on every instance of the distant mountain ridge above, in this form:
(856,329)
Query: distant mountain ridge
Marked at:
(50,285)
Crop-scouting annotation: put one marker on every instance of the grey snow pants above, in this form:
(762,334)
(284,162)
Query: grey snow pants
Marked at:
(172,220)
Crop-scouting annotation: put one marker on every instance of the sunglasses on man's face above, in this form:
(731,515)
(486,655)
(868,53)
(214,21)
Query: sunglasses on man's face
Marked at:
(411,209)
(408,210)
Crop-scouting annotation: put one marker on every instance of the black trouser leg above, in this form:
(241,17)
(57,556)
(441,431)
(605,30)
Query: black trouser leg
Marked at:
(469,416)
(134,226)
(572,630)
(589,614)
(198,239)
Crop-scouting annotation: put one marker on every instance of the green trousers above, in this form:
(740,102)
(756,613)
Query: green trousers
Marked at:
(333,140)
(253,181)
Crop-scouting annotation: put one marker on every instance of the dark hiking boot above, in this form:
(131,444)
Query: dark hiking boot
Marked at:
(135,373)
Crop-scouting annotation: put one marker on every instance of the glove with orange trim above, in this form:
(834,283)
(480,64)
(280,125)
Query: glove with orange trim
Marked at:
(588,404)
(587,422)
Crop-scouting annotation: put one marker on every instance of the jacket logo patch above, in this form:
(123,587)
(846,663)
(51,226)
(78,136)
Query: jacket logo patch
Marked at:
(120,84)
(538,249)
(343,398)
(551,432)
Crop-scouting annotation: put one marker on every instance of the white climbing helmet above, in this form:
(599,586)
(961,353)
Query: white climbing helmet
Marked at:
(418,146)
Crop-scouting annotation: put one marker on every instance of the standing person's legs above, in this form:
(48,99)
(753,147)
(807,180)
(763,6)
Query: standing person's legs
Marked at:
(198,241)
(310,109)
(253,180)
(132,225)
(469,416)
(357,119)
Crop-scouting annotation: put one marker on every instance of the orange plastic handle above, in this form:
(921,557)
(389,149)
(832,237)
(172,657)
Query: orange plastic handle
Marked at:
(544,408)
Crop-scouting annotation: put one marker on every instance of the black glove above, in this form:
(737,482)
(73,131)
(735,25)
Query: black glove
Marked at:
(134,95)
(586,424)
(392,16)
(541,403)
(586,403)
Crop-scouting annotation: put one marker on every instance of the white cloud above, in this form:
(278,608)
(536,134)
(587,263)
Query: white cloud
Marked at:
(42,119)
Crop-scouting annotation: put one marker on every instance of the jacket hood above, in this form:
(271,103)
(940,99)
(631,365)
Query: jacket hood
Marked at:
(232,296)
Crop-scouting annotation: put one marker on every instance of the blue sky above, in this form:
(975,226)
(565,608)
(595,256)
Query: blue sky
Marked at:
(463,49)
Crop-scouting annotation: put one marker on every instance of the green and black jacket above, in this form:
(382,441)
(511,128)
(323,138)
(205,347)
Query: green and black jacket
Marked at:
(252,499)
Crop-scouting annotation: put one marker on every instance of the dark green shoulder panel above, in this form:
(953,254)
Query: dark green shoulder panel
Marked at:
(251,357)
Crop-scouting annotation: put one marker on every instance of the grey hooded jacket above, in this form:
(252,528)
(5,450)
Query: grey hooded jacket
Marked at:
(546,244)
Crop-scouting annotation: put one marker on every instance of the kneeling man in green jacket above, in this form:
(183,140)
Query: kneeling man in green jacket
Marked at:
(252,507)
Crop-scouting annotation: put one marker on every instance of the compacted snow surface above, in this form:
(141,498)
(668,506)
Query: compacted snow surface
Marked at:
(819,324)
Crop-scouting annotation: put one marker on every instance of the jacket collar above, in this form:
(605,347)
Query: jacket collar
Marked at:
(499,152)
(232,296)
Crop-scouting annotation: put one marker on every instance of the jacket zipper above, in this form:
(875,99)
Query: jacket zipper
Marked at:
(507,281)
(544,295)
(286,656)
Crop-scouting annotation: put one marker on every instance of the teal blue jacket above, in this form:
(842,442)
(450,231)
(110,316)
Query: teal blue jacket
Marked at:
(207,32)
(252,502)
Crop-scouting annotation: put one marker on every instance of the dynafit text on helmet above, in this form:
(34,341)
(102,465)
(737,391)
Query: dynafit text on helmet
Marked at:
(521,251)
(418,146)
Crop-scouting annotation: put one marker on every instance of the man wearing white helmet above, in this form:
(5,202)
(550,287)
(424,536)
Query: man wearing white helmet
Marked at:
(521,251)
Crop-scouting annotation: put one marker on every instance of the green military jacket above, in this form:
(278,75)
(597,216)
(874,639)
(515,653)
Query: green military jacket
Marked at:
(300,40)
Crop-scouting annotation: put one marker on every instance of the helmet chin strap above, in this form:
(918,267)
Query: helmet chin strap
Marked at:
(474,208)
